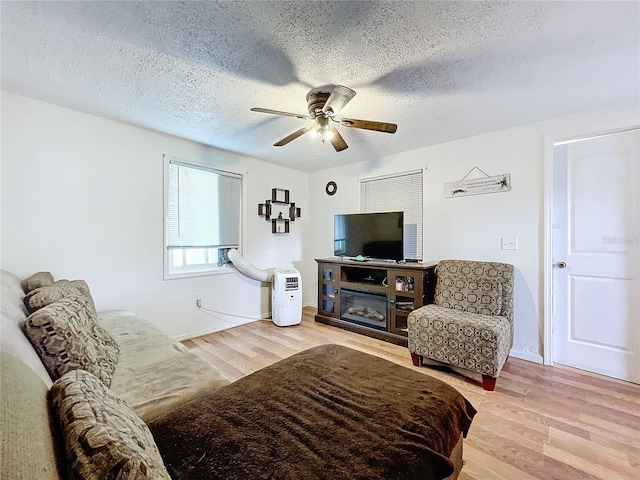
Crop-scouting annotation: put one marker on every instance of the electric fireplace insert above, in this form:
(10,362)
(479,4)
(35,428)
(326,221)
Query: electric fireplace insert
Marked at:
(364,308)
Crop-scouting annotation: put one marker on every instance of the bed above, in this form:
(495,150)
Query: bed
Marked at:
(329,412)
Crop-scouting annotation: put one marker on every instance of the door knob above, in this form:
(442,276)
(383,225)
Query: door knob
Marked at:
(561,265)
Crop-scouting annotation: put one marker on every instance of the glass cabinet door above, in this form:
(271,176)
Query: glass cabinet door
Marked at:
(406,296)
(328,293)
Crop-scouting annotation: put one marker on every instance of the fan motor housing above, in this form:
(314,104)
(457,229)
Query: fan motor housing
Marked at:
(316,101)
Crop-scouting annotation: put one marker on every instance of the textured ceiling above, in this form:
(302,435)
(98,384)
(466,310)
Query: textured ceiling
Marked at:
(440,70)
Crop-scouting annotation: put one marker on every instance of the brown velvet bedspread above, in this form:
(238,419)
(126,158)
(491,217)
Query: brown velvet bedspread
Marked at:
(329,412)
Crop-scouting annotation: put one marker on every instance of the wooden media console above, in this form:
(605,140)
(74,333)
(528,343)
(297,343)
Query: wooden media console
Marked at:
(372,297)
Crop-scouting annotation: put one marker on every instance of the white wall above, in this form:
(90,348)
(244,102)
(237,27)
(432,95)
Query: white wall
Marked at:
(470,227)
(82,197)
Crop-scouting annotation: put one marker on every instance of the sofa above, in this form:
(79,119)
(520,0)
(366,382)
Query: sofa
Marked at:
(125,401)
(153,374)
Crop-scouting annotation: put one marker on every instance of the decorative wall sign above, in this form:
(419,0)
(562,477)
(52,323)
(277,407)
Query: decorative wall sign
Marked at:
(478,186)
(271,212)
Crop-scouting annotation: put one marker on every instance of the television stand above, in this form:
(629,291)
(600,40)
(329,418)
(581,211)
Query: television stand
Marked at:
(373,298)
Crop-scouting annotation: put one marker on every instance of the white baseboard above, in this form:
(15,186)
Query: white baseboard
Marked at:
(528,356)
(200,333)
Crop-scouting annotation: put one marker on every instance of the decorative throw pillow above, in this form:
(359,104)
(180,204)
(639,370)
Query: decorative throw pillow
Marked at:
(79,284)
(66,335)
(41,297)
(37,280)
(103,437)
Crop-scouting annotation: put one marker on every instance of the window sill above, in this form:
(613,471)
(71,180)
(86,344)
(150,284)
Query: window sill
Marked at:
(218,271)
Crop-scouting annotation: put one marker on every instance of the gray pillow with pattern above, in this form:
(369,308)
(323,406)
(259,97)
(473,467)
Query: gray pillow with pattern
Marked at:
(43,296)
(37,280)
(104,438)
(66,335)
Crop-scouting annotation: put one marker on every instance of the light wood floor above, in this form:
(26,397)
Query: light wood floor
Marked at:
(541,422)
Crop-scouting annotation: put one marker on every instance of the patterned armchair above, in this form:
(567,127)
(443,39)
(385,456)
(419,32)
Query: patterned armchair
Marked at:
(470,323)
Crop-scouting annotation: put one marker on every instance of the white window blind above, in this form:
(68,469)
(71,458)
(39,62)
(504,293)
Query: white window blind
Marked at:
(204,207)
(398,192)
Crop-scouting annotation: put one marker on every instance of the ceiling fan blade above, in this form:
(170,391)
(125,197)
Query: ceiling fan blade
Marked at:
(293,136)
(278,112)
(337,100)
(369,125)
(336,140)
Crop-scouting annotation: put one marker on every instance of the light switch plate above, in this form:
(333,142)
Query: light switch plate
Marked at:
(509,243)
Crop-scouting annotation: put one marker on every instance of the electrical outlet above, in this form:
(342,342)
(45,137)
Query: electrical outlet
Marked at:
(198,299)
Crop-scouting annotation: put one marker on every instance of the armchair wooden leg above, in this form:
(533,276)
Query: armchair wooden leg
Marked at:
(416,359)
(488,383)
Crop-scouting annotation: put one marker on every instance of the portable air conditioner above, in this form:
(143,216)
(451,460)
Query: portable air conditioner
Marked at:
(286,297)
(286,288)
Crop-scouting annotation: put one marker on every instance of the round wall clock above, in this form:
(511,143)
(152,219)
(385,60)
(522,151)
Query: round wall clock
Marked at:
(331,188)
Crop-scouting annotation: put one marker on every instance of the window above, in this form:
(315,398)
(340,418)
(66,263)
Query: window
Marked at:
(398,192)
(203,209)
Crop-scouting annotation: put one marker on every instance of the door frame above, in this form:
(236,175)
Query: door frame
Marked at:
(551,139)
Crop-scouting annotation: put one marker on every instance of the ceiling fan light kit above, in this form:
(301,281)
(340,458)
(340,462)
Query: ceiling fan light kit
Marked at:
(323,106)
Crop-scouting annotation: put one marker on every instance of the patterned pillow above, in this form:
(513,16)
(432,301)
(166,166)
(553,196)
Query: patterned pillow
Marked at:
(37,280)
(66,335)
(481,296)
(103,437)
(43,296)
(79,284)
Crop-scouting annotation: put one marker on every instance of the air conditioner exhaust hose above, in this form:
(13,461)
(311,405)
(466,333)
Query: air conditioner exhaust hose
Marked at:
(247,268)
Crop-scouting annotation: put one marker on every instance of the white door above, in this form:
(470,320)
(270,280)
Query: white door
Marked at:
(596,243)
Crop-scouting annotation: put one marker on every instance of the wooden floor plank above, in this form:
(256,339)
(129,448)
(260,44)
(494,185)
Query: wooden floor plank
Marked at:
(585,466)
(481,465)
(540,423)
(229,371)
(611,460)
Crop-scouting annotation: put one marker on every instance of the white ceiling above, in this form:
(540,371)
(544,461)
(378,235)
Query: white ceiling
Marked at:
(440,70)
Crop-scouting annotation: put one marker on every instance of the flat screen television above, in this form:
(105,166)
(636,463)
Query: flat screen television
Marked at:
(372,235)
